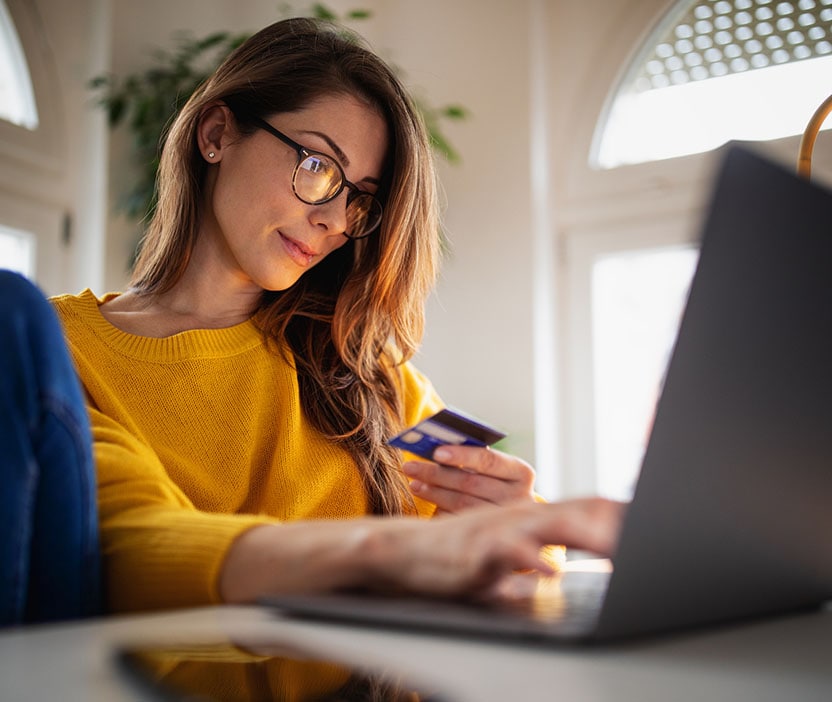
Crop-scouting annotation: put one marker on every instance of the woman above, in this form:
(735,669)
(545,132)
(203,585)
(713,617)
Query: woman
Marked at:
(242,390)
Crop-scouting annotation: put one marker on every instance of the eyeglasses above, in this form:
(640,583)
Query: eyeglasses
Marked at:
(318,178)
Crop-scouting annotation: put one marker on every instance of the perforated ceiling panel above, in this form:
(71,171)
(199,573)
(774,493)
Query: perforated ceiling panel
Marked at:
(714,38)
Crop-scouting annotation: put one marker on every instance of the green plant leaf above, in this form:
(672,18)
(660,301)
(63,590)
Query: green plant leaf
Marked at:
(211,41)
(454,112)
(323,12)
(116,107)
(99,82)
(441,144)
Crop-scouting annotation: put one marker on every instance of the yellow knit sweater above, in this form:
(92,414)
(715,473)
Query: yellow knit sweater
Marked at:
(198,437)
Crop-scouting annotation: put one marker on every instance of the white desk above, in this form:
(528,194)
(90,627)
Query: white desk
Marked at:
(783,660)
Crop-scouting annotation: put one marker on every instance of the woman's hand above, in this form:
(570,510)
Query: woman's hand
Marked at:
(471,553)
(461,477)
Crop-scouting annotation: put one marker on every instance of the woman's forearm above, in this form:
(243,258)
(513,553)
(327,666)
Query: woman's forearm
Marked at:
(299,557)
(444,556)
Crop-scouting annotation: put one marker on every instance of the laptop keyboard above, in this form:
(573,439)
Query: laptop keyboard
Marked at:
(571,602)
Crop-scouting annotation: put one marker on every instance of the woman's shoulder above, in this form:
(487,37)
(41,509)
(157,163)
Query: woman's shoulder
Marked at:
(85,329)
(84,305)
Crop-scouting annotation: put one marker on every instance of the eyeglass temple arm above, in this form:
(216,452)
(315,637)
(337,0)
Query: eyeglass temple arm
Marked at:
(807,142)
(263,124)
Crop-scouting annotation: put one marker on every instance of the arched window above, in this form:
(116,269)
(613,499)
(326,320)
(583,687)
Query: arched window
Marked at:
(17,99)
(716,70)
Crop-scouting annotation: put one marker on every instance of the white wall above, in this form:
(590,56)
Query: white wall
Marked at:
(478,349)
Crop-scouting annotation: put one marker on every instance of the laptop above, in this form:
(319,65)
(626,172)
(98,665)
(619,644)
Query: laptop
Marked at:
(731,516)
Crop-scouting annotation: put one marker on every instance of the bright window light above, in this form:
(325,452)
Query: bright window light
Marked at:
(716,71)
(17,251)
(637,302)
(17,99)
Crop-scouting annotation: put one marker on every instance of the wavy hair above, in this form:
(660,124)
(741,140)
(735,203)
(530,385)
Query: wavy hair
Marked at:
(352,319)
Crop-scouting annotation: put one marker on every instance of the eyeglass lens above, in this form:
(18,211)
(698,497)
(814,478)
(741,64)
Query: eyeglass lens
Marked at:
(318,180)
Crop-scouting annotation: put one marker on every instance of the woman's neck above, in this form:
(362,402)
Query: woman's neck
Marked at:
(206,297)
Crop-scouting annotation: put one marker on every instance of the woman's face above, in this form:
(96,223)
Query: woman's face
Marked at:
(264,234)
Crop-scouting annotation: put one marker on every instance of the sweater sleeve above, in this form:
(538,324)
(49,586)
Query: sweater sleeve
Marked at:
(160,551)
(420,398)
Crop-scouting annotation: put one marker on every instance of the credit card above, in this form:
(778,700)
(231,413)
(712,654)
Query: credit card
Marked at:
(448,426)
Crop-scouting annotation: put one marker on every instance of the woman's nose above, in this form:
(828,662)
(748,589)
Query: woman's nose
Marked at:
(331,215)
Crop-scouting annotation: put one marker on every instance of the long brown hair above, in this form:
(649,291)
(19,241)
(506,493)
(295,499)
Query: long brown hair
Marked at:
(353,318)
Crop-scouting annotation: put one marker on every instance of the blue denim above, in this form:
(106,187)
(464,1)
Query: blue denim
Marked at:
(49,557)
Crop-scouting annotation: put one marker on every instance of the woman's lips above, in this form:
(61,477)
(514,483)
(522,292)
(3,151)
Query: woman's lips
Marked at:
(298,252)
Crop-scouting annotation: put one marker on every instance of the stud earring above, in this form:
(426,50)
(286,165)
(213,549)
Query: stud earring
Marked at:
(211,154)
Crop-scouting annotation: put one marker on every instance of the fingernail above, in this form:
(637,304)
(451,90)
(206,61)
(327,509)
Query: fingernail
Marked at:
(442,454)
(416,486)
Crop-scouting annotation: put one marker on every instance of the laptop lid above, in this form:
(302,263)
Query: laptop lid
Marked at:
(732,512)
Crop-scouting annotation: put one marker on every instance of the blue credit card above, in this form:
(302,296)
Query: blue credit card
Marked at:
(448,426)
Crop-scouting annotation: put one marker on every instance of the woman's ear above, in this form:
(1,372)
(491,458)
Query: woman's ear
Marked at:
(214,131)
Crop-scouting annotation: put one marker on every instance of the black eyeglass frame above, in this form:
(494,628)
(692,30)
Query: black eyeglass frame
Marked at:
(304,153)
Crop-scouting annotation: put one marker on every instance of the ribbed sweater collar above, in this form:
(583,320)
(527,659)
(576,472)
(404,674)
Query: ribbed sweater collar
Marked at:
(192,344)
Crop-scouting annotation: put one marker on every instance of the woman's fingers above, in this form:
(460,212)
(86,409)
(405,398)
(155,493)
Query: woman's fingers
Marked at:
(466,476)
(450,489)
(591,524)
(484,461)
(471,552)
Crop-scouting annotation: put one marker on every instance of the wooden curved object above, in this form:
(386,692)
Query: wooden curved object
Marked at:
(807,142)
